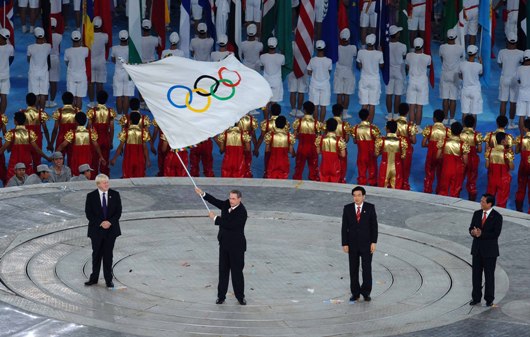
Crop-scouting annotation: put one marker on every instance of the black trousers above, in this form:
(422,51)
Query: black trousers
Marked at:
(102,247)
(484,265)
(366,262)
(231,261)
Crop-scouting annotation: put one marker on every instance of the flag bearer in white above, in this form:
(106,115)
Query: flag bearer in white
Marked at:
(470,72)
(523,99)
(7,54)
(451,54)
(396,83)
(122,86)
(369,61)
(297,87)
(471,17)
(173,50)
(344,79)
(319,69)
(251,48)
(272,63)
(368,19)
(201,47)
(417,19)
(253,12)
(217,56)
(149,42)
(76,80)
(97,60)
(55,63)
(38,75)
(417,64)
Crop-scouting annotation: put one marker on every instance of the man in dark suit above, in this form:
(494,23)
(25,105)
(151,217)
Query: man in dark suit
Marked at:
(232,243)
(103,211)
(485,229)
(359,238)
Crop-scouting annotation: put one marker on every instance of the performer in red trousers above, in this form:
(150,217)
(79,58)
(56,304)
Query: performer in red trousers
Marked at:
(82,143)
(364,135)
(233,142)
(306,130)
(522,146)
(249,125)
(64,122)
(133,144)
(101,118)
(489,138)
(393,150)
(172,165)
(36,122)
(279,144)
(145,122)
(453,152)
(473,139)
(433,134)
(202,153)
(343,131)
(159,151)
(408,131)
(332,148)
(499,162)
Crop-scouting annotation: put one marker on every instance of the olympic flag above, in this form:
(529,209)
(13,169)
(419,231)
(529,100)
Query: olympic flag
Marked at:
(192,100)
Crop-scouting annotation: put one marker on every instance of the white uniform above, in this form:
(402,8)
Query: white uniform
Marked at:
(299,85)
(250,51)
(121,83)
(471,89)
(319,86)
(418,87)
(98,63)
(221,16)
(512,8)
(32,3)
(217,56)
(344,79)
(201,48)
(368,19)
(149,44)
(253,11)
(370,82)
(196,10)
(523,99)
(6,51)
(417,18)
(76,81)
(55,62)
(56,6)
(471,16)
(396,82)
(510,60)
(38,75)
(272,72)
(172,52)
(452,56)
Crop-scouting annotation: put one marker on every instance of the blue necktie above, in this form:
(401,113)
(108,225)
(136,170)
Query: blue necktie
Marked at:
(104,206)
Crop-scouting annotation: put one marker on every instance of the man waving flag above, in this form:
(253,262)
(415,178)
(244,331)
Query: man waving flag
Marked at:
(192,101)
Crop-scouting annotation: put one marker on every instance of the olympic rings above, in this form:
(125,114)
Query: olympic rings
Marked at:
(230,84)
(220,73)
(179,87)
(188,99)
(216,85)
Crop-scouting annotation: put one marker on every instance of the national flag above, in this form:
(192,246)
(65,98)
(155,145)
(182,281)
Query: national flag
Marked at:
(383,36)
(484,20)
(135,31)
(45,9)
(284,33)
(184,27)
(403,22)
(104,9)
(6,13)
(158,20)
(427,42)
(303,38)
(343,16)
(354,21)
(523,25)
(208,18)
(330,29)
(88,26)
(268,22)
(192,100)
(450,15)
(233,28)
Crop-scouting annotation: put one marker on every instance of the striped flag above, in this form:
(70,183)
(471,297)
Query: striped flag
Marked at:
(135,31)
(484,20)
(184,27)
(269,20)
(383,36)
(305,30)
(6,13)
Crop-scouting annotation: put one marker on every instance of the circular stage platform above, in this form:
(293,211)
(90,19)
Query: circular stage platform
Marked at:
(296,275)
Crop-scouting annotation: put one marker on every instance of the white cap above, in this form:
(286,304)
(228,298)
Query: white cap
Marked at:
(472,49)
(146,24)
(345,34)
(202,28)
(39,32)
(4,33)
(251,29)
(272,42)
(452,34)
(320,44)
(418,43)
(370,39)
(97,22)
(76,35)
(511,37)
(223,40)
(393,30)
(53,22)
(174,38)
(123,35)
(526,54)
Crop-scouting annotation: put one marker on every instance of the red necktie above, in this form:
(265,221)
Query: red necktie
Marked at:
(358,213)
(484,218)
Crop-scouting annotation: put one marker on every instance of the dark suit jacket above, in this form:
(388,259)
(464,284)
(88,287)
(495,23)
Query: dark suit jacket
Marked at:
(487,244)
(231,225)
(94,214)
(359,235)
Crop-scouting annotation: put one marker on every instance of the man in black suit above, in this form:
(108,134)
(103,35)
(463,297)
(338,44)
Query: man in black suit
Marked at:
(485,229)
(232,243)
(103,211)
(359,238)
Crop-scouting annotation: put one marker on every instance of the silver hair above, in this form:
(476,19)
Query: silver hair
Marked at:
(101,178)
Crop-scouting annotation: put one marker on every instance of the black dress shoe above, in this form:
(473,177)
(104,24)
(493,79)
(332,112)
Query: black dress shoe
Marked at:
(90,282)
(242,301)
(367,298)
(354,298)
(110,285)
(489,304)
(220,301)
(473,302)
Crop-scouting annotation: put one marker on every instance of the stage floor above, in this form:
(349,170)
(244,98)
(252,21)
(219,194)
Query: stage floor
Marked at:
(296,275)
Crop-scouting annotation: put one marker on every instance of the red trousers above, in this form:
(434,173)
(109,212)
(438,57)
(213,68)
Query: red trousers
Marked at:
(81,154)
(343,167)
(471,173)
(433,168)
(452,177)
(35,157)
(523,181)
(104,146)
(499,180)
(3,171)
(278,163)
(172,165)
(162,155)
(20,153)
(307,152)
(133,161)
(407,164)
(233,162)
(330,167)
(366,163)
(203,152)
(248,164)
(385,168)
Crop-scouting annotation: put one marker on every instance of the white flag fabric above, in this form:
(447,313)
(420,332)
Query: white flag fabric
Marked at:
(192,100)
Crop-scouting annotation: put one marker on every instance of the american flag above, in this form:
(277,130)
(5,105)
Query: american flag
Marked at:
(305,29)
(6,13)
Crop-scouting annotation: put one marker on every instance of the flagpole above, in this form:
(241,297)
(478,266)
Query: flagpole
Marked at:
(193,181)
